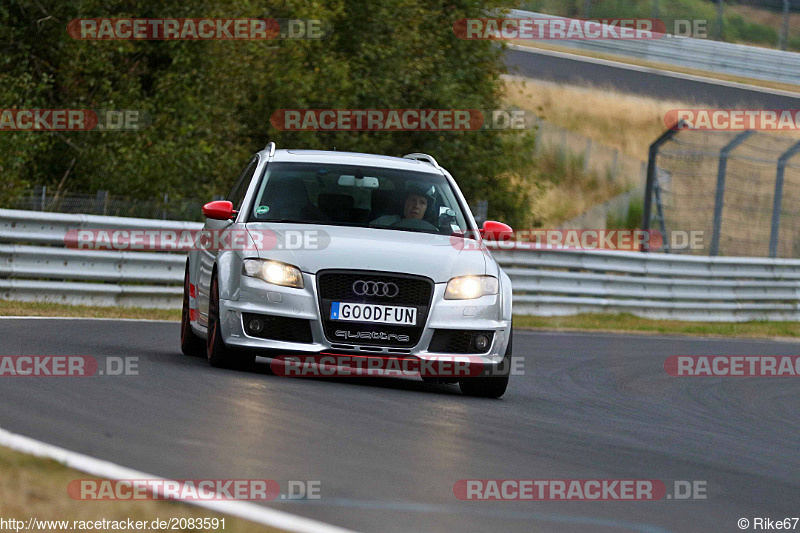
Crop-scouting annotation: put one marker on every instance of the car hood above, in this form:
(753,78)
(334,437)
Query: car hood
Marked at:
(438,257)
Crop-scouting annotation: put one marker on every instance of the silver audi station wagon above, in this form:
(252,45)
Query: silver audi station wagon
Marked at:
(348,253)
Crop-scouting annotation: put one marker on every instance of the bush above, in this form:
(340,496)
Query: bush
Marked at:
(211,101)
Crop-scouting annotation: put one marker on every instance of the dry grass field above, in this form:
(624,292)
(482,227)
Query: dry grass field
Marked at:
(626,122)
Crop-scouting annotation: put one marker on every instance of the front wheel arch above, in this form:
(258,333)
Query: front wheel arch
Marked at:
(227,268)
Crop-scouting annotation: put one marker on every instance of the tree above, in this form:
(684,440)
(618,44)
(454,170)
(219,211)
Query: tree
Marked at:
(211,101)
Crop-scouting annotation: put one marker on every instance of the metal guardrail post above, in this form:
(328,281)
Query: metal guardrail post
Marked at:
(720,194)
(718,29)
(651,175)
(587,155)
(778,198)
(783,39)
(661,219)
(100,203)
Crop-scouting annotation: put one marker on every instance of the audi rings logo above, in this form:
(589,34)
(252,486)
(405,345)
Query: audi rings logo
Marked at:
(375,288)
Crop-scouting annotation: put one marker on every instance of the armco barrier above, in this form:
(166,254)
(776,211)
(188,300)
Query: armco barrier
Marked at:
(700,54)
(546,282)
(654,285)
(36,266)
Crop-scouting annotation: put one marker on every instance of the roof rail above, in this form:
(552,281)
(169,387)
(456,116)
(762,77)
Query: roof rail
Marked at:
(422,157)
(271,148)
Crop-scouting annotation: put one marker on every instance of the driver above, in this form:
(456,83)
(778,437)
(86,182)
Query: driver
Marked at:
(418,198)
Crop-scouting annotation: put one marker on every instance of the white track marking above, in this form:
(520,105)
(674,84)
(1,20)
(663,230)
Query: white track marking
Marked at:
(108,470)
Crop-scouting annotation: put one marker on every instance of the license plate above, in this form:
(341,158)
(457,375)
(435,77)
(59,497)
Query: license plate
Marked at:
(374,313)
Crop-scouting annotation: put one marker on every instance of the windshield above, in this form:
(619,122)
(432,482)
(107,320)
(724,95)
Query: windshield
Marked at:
(344,195)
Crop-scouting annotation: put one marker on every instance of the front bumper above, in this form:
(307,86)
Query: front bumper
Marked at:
(259,297)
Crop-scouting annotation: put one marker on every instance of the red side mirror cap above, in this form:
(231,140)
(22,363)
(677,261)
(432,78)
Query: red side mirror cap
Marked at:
(219,210)
(496,231)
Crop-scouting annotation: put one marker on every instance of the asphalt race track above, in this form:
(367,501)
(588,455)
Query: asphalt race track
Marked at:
(388,452)
(652,83)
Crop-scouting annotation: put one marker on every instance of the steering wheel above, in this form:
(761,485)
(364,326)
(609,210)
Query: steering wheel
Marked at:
(414,223)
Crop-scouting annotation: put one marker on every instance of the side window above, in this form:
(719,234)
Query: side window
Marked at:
(236,196)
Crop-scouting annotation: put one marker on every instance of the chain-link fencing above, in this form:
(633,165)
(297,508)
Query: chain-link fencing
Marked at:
(739,189)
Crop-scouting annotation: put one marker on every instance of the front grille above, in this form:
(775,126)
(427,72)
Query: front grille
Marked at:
(337,286)
(279,328)
(457,341)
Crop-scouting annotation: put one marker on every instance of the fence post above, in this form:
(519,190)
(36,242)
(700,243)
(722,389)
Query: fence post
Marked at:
(587,155)
(720,13)
(783,38)
(615,164)
(44,197)
(482,211)
(100,202)
(720,194)
(651,175)
(778,198)
(562,149)
(661,219)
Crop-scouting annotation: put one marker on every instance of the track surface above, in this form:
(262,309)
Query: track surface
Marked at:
(387,452)
(654,84)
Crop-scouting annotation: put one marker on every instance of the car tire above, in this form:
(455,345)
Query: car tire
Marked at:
(218,354)
(492,386)
(191,344)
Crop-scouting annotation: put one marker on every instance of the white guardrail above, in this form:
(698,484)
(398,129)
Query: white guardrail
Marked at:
(701,54)
(36,266)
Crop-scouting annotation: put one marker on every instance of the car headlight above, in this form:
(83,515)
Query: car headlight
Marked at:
(274,272)
(470,287)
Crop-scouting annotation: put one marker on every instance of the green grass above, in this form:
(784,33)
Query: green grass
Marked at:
(633,220)
(627,323)
(13,308)
(37,487)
